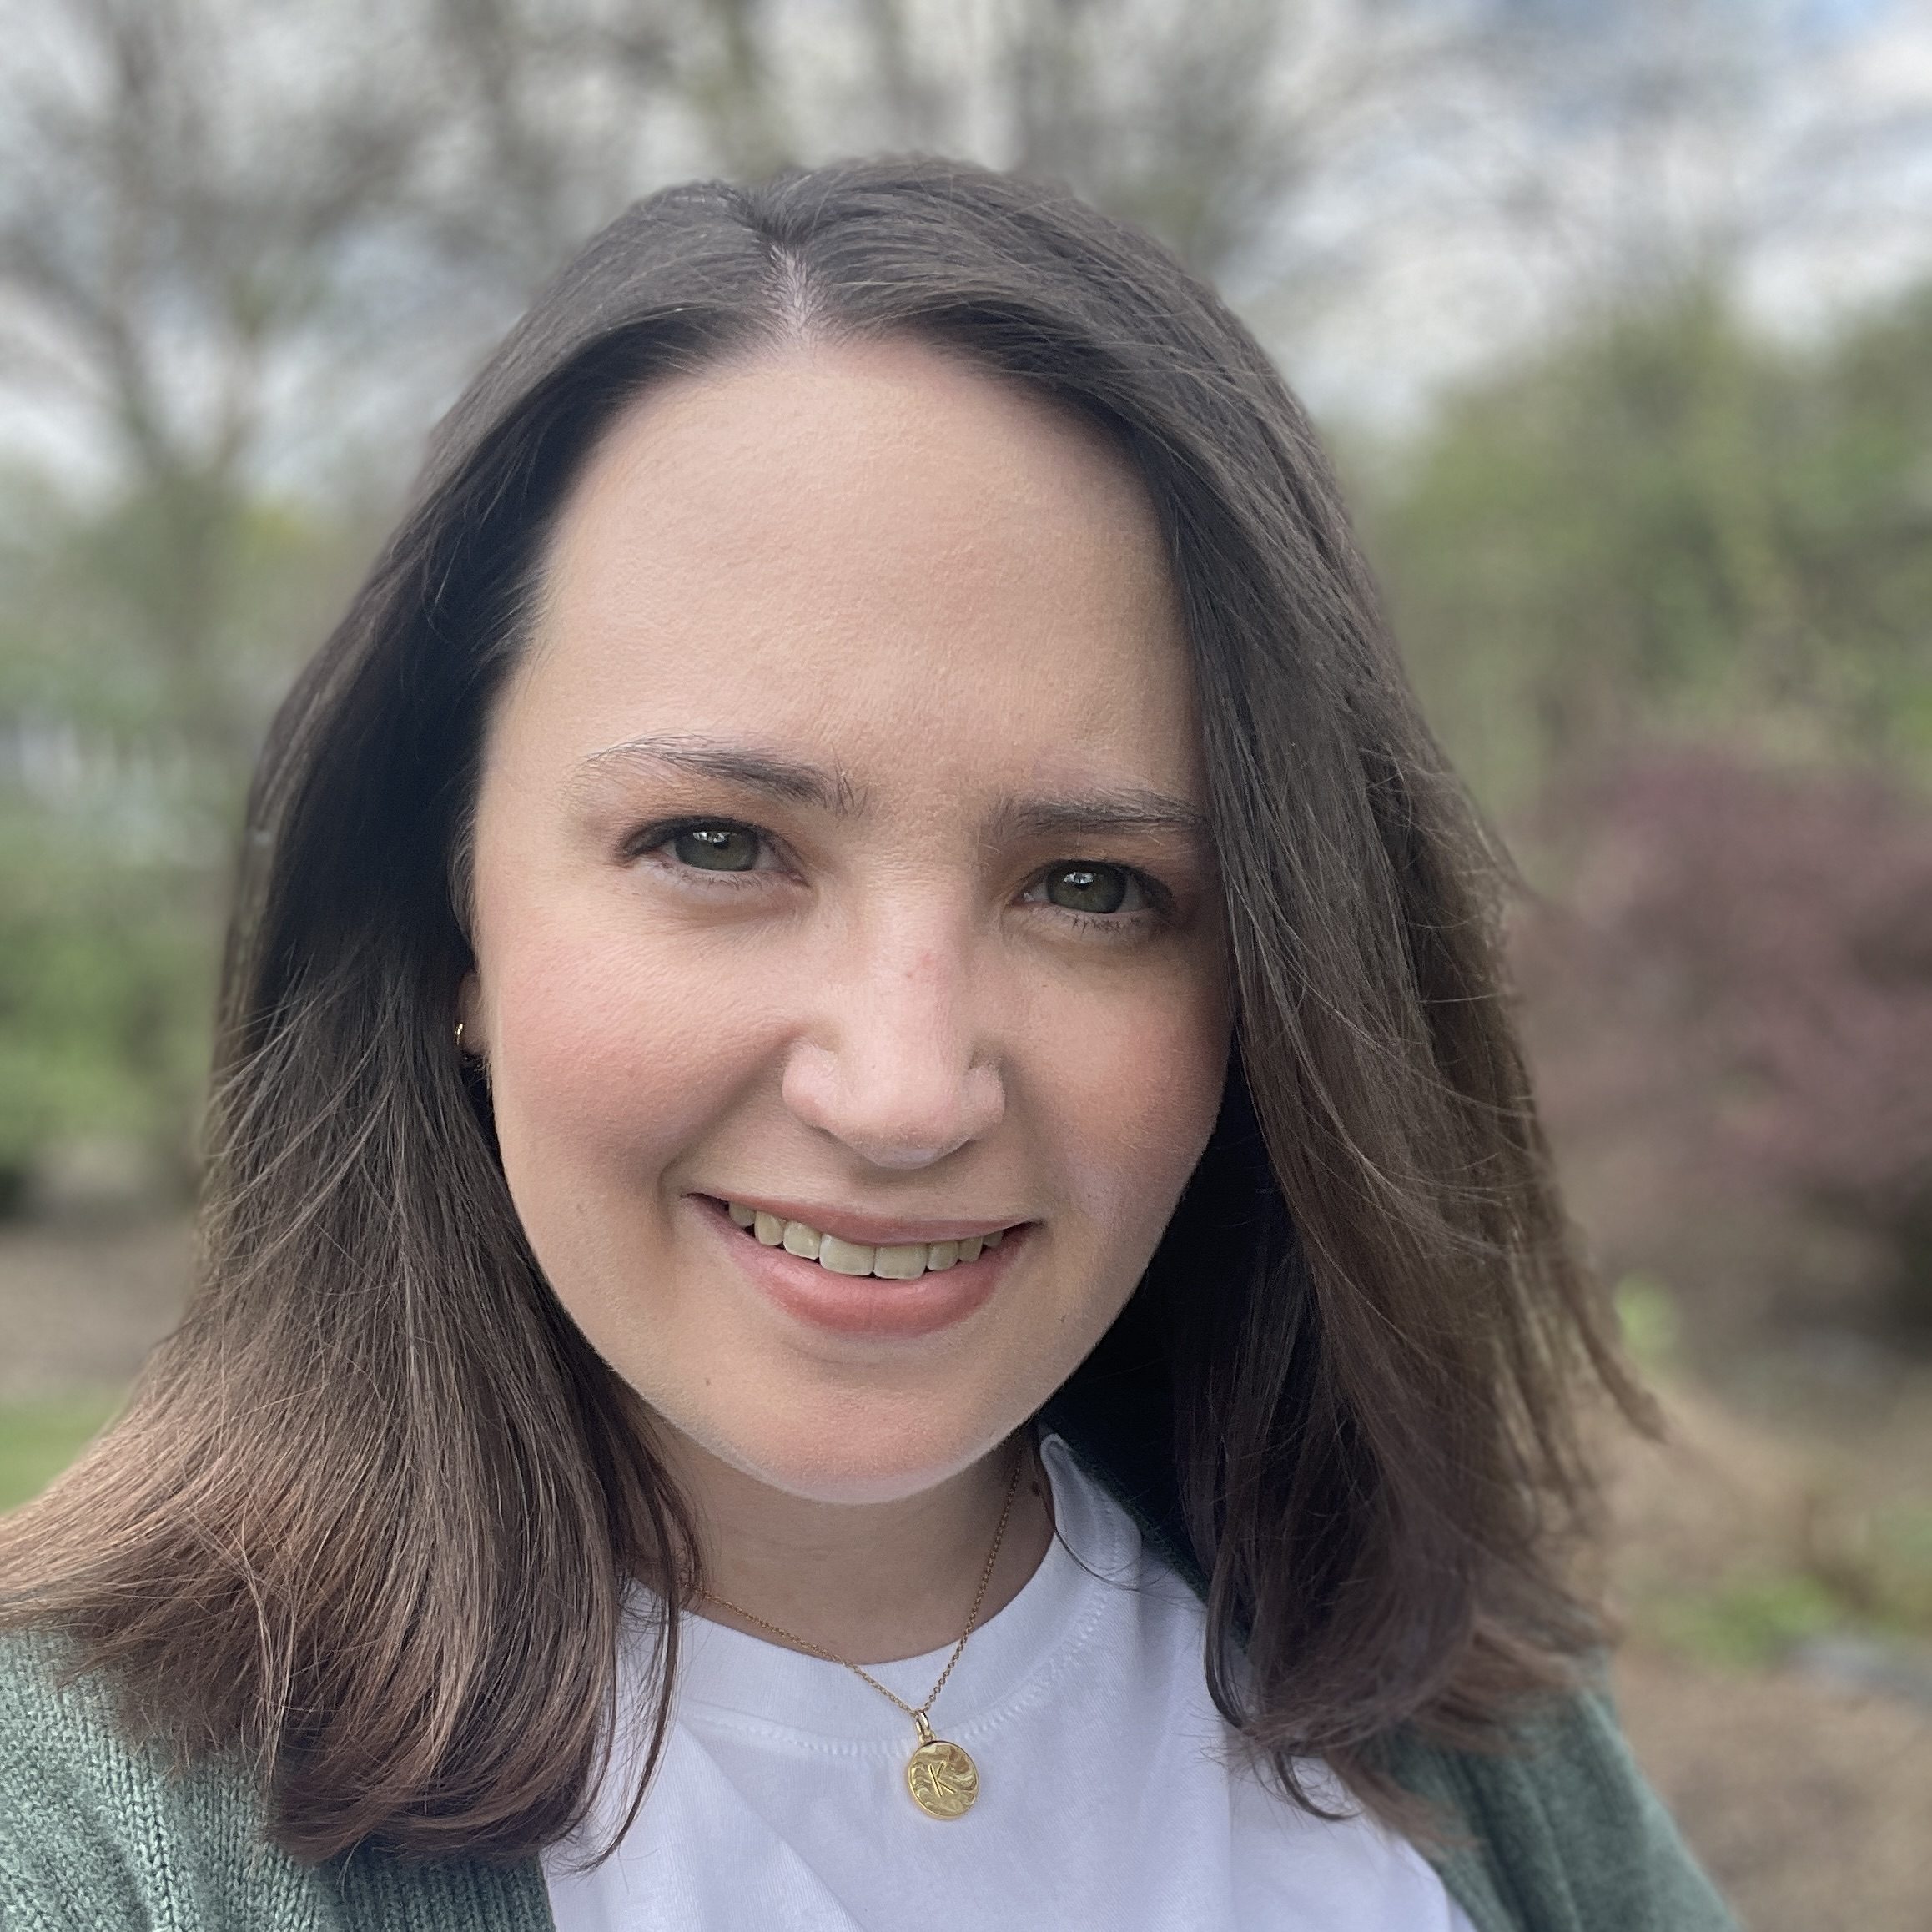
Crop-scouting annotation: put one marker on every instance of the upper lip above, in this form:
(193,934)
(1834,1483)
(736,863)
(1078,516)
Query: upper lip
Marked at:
(874,1230)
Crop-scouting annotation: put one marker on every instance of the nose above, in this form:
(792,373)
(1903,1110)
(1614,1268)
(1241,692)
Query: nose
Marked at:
(892,1064)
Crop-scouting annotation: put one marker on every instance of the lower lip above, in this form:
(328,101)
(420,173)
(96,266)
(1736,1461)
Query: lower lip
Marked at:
(865,1305)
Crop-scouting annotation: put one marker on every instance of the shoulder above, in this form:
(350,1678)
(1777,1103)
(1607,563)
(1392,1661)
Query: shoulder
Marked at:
(99,1832)
(1565,1832)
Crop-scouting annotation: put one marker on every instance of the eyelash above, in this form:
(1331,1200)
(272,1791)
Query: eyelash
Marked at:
(1158,911)
(648,838)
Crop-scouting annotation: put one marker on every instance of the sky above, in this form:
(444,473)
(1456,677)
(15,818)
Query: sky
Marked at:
(1816,191)
(1456,229)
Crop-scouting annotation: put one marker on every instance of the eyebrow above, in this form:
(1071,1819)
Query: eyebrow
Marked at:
(1119,812)
(1133,809)
(788,780)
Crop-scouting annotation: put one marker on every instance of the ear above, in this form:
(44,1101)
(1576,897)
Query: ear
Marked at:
(469,1023)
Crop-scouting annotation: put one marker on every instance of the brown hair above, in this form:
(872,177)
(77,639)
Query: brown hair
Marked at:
(370,1509)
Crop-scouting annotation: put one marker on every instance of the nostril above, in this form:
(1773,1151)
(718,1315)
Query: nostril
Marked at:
(896,1105)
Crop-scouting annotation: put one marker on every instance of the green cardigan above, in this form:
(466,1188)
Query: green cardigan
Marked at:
(96,1834)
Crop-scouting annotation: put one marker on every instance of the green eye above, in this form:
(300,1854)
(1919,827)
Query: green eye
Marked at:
(716,847)
(1089,888)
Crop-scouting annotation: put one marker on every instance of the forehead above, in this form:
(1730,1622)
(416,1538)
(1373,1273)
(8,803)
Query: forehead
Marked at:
(861,549)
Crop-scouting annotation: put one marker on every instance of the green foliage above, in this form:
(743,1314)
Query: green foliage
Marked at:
(1880,1584)
(142,644)
(1751,1621)
(1650,1324)
(37,1440)
(106,969)
(1666,524)
(1864,1575)
(1897,1565)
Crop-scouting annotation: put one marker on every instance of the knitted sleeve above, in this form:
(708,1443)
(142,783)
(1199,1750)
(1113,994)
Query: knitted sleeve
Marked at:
(1567,1837)
(98,1835)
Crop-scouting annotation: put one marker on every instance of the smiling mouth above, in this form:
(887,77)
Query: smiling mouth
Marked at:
(905,1261)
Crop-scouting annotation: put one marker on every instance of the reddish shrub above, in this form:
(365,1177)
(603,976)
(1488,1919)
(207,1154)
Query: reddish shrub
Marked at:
(1729,1002)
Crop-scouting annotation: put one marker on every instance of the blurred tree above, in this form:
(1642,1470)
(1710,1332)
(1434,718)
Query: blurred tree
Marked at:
(174,249)
(169,246)
(116,812)
(1861,528)
(1212,124)
(1665,524)
(1209,124)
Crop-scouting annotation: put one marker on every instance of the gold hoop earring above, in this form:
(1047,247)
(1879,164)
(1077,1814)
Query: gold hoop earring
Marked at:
(470,1064)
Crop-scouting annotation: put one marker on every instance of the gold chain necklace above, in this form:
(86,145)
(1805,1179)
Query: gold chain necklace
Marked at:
(943,1779)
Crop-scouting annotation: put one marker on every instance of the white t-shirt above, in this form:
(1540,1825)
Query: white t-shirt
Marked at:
(1108,1794)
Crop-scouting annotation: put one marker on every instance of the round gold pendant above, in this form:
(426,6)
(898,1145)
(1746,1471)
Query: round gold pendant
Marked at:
(943,1779)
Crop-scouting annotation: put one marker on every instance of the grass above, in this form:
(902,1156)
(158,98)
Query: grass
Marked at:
(38,1439)
(1873,1579)
(1746,1623)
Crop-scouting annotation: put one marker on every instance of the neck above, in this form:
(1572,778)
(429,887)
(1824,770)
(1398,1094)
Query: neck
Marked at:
(869,1582)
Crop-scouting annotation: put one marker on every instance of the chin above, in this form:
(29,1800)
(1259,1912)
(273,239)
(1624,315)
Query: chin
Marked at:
(855,1454)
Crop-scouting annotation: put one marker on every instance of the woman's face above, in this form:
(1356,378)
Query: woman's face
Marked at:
(838,861)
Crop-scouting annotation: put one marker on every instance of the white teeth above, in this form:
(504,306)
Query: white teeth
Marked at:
(845,1257)
(901,1261)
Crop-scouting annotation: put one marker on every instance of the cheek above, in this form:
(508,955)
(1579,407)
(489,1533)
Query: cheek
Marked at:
(606,1057)
(1131,1112)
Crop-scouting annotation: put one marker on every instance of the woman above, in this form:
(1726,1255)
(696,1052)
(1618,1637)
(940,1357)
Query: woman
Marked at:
(874,1237)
